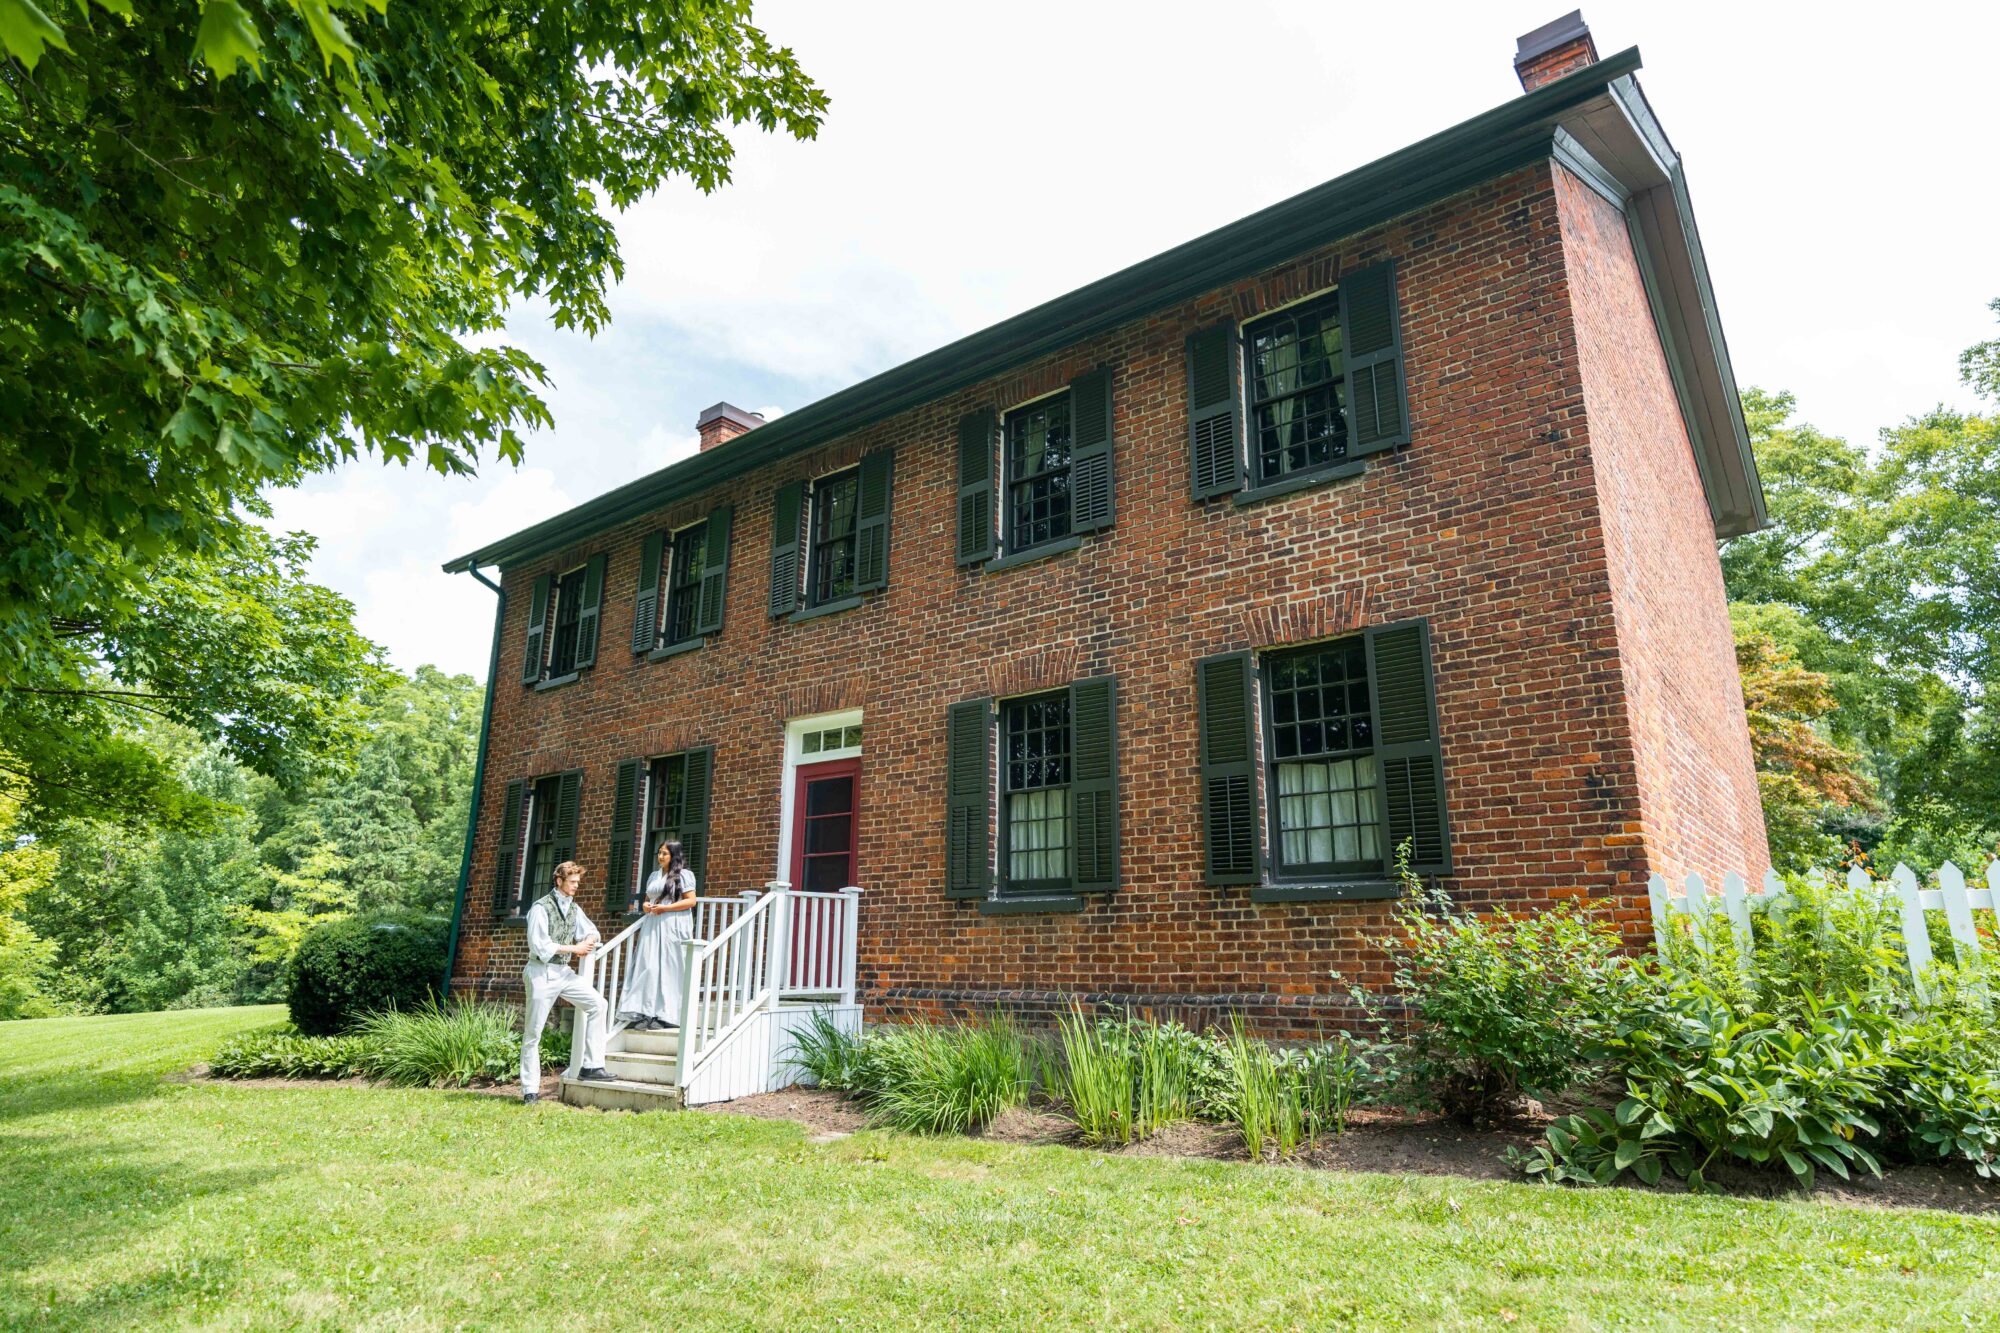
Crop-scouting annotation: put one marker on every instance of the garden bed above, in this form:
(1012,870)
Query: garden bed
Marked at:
(1390,1143)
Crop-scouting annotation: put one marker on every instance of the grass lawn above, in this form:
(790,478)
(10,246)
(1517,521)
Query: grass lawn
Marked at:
(129,1200)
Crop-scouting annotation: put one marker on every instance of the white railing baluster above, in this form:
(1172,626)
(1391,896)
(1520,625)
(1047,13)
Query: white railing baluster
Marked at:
(849,979)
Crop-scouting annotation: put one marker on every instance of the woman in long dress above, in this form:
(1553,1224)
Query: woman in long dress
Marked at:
(656,987)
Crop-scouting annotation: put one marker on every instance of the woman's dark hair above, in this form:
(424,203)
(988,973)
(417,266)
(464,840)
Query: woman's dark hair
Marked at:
(677,861)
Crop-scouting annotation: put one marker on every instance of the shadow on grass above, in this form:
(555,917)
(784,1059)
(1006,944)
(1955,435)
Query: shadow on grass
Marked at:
(63,1199)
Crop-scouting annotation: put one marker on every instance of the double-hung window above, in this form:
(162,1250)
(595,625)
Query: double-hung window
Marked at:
(1297,391)
(830,566)
(1320,762)
(1035,829)
(686,559)
(537,833)
(543,804)
(566,617)
(666,809)
(1038,474)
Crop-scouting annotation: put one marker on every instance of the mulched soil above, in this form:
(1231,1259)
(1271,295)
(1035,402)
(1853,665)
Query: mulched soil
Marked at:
(1388,1142)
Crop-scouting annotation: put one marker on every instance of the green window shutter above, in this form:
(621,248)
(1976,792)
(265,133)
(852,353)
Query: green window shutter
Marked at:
(871,527)
(787,509)
(507,863)
(569,791)
(975,486)
(1409,764)
(1090,471)
(714,571)
(694,826)
(1215,458)
(590,612)
(618,876)
(968,869)
(538,616)
(1093,787)
(646,608)
(1371,338)
(1227,717)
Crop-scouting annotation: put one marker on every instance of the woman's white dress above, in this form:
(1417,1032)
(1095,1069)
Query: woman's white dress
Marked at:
(654,988)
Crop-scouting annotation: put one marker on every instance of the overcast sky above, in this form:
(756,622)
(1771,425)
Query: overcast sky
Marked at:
(978,161)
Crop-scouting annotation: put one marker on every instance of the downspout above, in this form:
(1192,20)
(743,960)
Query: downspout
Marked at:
(478,778)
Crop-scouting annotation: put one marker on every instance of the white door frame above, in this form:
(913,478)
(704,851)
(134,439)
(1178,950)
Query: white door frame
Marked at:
(796,758)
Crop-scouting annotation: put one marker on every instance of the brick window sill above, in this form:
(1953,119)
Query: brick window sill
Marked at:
(1040,904)
(661,654)
(1303,481)
(1354,890)
(557,682)
(1016,559)
(826,608)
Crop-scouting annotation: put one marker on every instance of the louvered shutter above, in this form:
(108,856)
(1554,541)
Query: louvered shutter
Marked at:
(569,791)
(694,821)
(646,607)
(1215,458)
(1093,787)
(538,616)
(1227,742)
(1409,764)
(1090,469)
(968,799)
(714,571)
(1371,339)
(618,867)
(871,525)
(590,612)
(787,509)
(975,487)
(507,860)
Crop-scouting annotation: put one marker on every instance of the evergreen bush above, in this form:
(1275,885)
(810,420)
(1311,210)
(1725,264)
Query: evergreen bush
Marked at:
(348,968)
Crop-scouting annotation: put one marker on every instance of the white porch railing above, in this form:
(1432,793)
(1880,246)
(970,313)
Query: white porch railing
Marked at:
(1738,901)
(747,954)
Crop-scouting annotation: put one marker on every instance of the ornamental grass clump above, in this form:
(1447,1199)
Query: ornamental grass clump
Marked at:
(441,1046)
(1289,1099)
(830,1056)
(928,1078)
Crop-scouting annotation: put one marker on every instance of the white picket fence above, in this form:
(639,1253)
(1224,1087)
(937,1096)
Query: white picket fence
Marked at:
(1739,900)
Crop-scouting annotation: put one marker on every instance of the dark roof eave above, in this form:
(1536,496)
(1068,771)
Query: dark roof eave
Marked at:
(1511,135)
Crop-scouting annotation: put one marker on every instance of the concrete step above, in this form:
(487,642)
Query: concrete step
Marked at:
(621,1095)
(640,1067)
(647,1043)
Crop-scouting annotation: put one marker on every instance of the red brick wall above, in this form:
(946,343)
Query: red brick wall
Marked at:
(1487,525)
(1697,788)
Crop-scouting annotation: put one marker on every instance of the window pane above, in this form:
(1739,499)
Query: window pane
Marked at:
(1037,831)
(684,567)
(834,502)
(568,610)
(1297,394)
(1038,474)
(853,738)
(1325,807)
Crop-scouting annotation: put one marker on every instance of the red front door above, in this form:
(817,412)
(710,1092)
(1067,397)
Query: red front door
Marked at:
(826,820)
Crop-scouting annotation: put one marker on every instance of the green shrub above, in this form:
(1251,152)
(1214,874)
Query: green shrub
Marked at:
(1944,1094)
(1501,1005)
(1826,940)
(382,960)
(1704,1082)
(280,1052)
(930,1079)
(555,1045)
(439,1047)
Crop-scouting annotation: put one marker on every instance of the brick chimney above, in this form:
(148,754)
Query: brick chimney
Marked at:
(1553,50)
(723,422)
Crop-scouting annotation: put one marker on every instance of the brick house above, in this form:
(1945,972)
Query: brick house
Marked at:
(1113,650)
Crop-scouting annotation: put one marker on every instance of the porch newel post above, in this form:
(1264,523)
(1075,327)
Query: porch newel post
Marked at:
(690,1013)
(778,965)
(849,944)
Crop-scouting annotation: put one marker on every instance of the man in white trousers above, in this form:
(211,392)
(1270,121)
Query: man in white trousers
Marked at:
(557,931)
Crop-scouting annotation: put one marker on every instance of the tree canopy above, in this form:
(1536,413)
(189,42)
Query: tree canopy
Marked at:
(242,241)
(1880,572)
